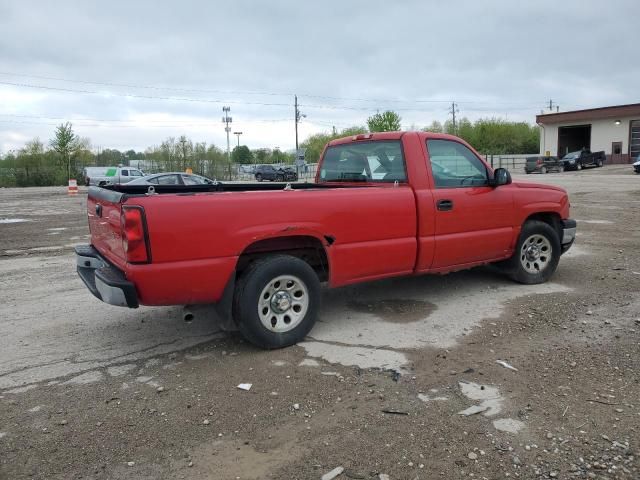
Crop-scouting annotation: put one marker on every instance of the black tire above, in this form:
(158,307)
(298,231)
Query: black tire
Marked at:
(600,163)
(248,298)
(279,178)
(561,169)
(258,177)
(579,166)
(543,170)
(516,268)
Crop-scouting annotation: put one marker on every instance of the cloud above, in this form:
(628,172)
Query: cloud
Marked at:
(494,58)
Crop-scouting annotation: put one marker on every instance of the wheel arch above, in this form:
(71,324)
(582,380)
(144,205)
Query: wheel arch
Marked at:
(309,248)
(551,218)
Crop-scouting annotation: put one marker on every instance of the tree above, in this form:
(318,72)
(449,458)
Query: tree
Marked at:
(185,151)
(435,127)
(314,144)
(388,121)
(241,154)
(65,143)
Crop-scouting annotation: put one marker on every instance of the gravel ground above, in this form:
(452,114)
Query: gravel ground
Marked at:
(93,391)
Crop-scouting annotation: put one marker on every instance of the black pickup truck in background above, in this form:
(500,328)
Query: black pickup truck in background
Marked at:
(583,158)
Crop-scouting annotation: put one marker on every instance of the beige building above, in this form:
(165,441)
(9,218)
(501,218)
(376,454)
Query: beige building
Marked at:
(616,130)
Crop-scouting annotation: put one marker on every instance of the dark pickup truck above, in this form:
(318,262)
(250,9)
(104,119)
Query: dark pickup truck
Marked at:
(583,158)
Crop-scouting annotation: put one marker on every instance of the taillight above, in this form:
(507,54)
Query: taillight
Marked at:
(539,162)
(134,235)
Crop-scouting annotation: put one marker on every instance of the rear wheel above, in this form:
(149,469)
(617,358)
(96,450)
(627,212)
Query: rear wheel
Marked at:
(536,255)
(279,178)
(600,163)
(543,170)
(561,168)
(276,301)
(258,177)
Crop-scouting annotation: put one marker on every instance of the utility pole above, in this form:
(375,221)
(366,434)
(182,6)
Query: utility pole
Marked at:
(297,116)
(237,134)
(453,111)
(227,120)
(550,105)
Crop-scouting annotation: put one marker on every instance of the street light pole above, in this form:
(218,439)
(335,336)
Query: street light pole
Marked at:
(227,120)
(237,134)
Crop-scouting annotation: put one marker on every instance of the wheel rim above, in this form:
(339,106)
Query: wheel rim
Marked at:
(536,253)
(283,303)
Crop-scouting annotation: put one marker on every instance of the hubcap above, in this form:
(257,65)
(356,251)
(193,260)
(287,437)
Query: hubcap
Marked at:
(535,253)
(283,303)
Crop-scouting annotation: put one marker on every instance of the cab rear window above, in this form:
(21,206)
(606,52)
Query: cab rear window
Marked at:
(379,161)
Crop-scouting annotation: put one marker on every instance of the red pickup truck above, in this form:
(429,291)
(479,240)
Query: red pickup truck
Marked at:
(382,205)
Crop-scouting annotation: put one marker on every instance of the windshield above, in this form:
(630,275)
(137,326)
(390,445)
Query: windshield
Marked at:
(571,155)
(375,161)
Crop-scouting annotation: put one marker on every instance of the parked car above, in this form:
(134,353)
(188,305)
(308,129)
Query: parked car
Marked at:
(583,158)
(110,175)
(172,178)
(260,252)
(275,174)
(636,165)
(543,164)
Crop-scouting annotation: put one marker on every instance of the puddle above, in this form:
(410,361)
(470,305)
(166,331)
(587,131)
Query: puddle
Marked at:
(395,310)
(35,409)
(508,425)
(279,363)
(13,220)
(89,377)
(362,357)
(488,396)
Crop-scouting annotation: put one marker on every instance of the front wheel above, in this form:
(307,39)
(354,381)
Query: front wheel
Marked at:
(536,255)
(578,166)
(561,169)
(279,178)
(276,301)
(258,177)
(600,163)
(543,170)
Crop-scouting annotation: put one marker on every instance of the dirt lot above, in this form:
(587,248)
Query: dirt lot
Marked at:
(93,391)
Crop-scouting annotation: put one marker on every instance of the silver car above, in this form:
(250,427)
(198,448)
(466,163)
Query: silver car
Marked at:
(172,178)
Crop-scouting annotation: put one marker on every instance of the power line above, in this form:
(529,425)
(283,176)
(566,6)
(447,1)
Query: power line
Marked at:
(140,122)
(239,92)
(146,97)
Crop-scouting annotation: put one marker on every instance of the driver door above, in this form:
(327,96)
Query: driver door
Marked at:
(473,221)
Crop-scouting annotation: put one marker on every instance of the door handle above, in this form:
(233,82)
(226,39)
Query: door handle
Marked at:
(444,205)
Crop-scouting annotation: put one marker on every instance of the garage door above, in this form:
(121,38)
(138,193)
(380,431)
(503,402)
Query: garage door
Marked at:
(634,143)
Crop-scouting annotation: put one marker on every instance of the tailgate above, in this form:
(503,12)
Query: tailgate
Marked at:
(103,209)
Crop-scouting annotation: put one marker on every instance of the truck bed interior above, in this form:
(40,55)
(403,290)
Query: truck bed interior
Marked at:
(131,190)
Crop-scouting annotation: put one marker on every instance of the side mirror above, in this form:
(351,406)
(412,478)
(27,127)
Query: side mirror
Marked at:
(501,176)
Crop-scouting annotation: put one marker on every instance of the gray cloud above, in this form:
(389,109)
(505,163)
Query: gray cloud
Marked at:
(495,58)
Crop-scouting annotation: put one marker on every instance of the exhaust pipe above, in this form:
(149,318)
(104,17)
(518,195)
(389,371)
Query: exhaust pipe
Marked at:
(187,314)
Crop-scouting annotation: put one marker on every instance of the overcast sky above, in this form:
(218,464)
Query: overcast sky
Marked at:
(128,74)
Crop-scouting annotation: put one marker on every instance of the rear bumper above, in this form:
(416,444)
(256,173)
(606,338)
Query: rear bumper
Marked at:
(569,227)
(106,282)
